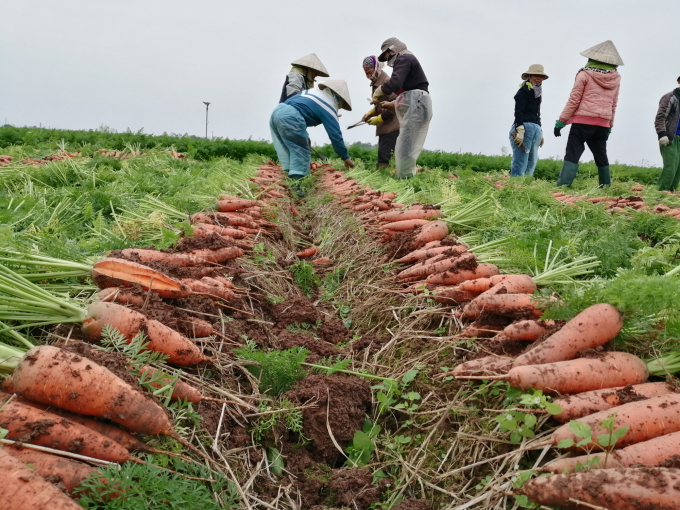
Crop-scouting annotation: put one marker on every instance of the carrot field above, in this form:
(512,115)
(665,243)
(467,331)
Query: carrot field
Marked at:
(178,329)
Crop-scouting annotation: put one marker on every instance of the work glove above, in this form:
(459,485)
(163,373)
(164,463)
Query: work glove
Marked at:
(368,115)
(519,135)
(349,163)
(376,120)
(542,139)
(558,127)
(664,141)
(388,105)
(609,131)
(377,95)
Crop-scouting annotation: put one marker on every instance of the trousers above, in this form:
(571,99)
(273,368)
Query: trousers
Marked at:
(414,111)
(524,158)
(291,140)
(386,145)
(670,175)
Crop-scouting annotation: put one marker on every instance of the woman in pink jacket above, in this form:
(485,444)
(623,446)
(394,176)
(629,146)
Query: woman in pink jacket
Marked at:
(590,111)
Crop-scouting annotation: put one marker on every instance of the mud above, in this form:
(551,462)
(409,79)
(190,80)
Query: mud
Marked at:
(333,331)
(412,504)
(400,244)
(201,304)
(295,309)
(353,488)
(317,348)
(350,399)
(210,416)
(627,394)
(371,342)
(115,362)
(672,462)
(211,242)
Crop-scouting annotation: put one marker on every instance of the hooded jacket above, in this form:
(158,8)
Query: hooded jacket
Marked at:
(593,99)
(390,123)
(668,115)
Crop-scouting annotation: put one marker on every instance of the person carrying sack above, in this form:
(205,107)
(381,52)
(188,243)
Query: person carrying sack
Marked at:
(385,121)
(590,110)
(667,124)
(413,105)
(526,134)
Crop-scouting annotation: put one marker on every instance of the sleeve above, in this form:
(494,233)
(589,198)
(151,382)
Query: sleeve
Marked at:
(614,105)
(520,105)
(296,84)
(401,69)
(575,97)
(332,127)
(660,119)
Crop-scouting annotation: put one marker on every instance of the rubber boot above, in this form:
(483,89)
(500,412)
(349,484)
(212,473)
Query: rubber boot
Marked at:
(604,176)
(567,174)
(382,165)
(297,187)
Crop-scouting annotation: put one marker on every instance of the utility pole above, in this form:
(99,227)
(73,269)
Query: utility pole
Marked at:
(206,103)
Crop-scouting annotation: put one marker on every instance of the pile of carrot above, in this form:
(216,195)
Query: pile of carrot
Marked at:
(620,204)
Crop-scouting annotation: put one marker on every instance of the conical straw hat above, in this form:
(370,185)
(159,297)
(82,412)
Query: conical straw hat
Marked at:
(340,88)
(604,52)
(313,62)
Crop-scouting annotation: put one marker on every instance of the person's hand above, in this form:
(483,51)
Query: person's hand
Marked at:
(558,127)
(519,136)
(542,140)
(349,163)
(664,141)
(376,120)
(368,115)
(387,105)
(377,95)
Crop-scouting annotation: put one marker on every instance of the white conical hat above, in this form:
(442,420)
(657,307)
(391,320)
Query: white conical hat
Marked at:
(313,62)
(340,88)
(604,52)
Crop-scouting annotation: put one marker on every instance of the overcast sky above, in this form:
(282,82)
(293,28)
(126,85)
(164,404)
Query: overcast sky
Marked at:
(79,64)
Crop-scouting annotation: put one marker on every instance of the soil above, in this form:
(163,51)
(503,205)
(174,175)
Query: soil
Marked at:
(672,462)
(167,269)
(210,416)
(400,245)
(412,504)
(317,348)
(350,399)
(333,331)
(213,241)
(353,488)
(371,342)
(202,304)
(550,330)
(295,309)
(627,394)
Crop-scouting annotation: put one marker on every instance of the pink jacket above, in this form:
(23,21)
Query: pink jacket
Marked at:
(593,99)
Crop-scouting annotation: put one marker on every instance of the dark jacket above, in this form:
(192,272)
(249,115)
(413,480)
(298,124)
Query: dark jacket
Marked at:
(527,106)
(407,74)
(668,115)
(390,124)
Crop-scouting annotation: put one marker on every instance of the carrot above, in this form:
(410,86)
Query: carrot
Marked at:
(447,263)
(479,285)
(224,281)
(308,252)
(235,204)
(615,489)
(7,385)
(508,305)
(424,253)
(113,272)
(454,278)
(186,259)
(63,472)
(229,234)
(410,214)
(50,375)
(647,419)
(474,329)
(181,390)
(583,404)
(383,206)
(594,326)
(27,424)
(403,225)
(451,295)
(362,207)
(487,366)
(576,376)
(27,490)
(202,219)
(117,295)
(433,231)
(525,330)
(180,349)
(647,453)
(321,260)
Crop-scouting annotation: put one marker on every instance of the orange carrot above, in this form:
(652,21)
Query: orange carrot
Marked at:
(181,390)
(403,225)
(112,272)
(488,366)
(117,295)
(50,375)
(27,424)
(433,231)
(615,489)
(27,490)
(424,253)
(447,263)
(321,260)
(410,214)
(451,295)
(7,386)
(229,234)
(180,349)
(583,404)
(454,278)
(508,305)
(186,259)
(526,330)
(594,326)
(308,252)
(646,453)
(480,285)
(235,204)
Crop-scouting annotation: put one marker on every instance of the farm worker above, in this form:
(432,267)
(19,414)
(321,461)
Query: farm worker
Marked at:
(385,121)
(667,124)
(413,105)
(290,119)
(526,135)
(590,110)
(302,75)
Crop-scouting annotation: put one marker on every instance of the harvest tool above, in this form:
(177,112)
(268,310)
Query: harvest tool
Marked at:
(323,158)
(360,123)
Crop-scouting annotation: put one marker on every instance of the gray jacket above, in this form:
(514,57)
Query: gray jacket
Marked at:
(668,115)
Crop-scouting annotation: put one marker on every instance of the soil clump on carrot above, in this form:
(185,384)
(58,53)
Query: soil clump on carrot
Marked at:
(213,241)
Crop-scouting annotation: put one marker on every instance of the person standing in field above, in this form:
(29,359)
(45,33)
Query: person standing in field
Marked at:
(413,105)
(302,75)
(290,119)
(667,124)
(590,110)
(526,134)
(385,121)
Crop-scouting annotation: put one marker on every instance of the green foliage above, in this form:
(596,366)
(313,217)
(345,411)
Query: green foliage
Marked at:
(606,442)
(391,390)
(285,413)
(145,486)
(305,277)
(522,425)
(362,446)
(277,371)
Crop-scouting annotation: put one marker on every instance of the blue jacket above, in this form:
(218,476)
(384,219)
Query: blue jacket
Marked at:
(317,108)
